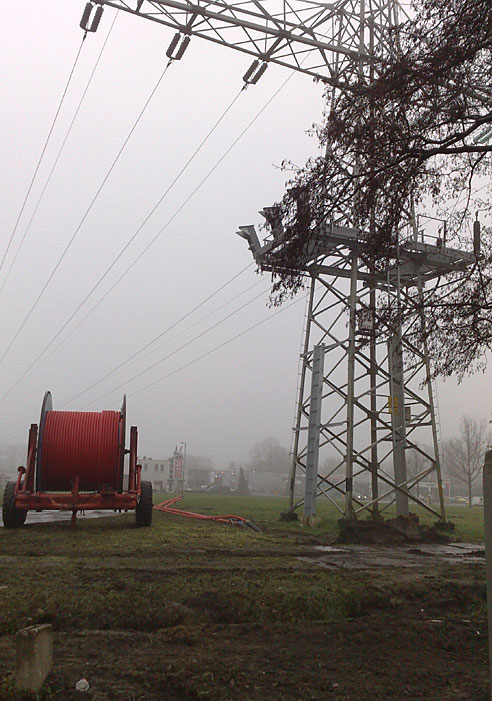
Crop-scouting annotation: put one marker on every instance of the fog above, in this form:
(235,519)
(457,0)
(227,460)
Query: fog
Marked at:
(241,390)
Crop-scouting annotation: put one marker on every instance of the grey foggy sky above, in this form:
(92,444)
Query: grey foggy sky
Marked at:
(240,394)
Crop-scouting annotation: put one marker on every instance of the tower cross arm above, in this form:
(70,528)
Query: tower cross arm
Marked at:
(314,38)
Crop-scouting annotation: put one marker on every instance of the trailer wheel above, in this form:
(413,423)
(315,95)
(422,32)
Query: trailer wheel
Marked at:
(12,518)
(143,512)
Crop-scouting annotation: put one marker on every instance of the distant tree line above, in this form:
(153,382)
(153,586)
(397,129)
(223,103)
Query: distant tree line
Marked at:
(463,455)
(269,456)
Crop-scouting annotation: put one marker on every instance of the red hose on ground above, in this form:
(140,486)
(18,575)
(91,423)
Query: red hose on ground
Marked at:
(232,520)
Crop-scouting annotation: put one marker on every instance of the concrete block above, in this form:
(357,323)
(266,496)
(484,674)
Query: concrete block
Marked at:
(487,517)
(33,656)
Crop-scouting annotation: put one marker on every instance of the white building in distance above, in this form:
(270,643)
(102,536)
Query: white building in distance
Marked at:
(158,471)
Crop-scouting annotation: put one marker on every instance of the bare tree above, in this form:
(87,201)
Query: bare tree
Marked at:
(269,456)
(242,487)
(416,463)
(418,130)
(464,454)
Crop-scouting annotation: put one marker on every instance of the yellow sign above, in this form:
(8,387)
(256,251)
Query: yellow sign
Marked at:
(392,405)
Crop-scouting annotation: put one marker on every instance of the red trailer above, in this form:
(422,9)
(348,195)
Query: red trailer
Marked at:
(75,462)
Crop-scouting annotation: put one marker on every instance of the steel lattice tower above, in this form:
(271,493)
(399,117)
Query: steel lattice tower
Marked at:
(356,393)
(350,364)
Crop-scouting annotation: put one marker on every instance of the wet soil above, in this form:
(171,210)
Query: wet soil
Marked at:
(380,656)
(394,531)
(230,616)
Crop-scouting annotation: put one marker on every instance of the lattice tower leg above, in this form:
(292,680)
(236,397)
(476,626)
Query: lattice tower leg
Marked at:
(312,456)
(374,432)
(397,404)
(300,396)
(349,459)
(432,407)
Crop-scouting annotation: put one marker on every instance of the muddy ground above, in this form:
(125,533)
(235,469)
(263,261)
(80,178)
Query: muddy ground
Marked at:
(203,611)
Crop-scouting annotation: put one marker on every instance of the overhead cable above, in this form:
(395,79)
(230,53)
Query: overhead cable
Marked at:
(182,347)
(12,263)
(190,196)
(213,350)
(214,311)
(153,240)
(203,355)
(42,153)
(188,328)
(122,251)
(160,335)
(74,235)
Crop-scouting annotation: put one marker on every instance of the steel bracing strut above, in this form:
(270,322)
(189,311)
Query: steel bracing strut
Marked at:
(327,41)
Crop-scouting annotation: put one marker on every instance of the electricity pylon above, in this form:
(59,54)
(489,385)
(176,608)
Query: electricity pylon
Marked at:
(357,392)
(365,385)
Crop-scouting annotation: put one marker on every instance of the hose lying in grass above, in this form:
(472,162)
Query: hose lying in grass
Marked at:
(167,507)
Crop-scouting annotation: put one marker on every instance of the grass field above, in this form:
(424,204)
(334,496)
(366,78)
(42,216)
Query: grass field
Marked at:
(265,511)
(197,610)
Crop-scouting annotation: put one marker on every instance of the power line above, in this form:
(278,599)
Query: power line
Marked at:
(213,350)
(195,323)
(471,194)
(72,239)
(122,251)
(185,202)
(135,234)
(42,152)
(214,311)
(195,338)
(154,239)
(12,263)
(200,357)
(163,333)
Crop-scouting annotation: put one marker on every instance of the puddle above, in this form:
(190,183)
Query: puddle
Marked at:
(361,557)
(48,516)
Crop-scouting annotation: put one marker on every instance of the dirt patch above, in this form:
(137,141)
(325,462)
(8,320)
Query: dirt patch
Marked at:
(188,612)
(394,531)
(401,635)
(212,605)
(369,658)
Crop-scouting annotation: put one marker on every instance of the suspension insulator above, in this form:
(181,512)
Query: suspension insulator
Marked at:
(476,238)
(251,70)
(259,73)
(182,48)
(97,18)
(173,45)
(85,16)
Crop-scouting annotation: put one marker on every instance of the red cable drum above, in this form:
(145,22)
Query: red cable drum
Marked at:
(83,444)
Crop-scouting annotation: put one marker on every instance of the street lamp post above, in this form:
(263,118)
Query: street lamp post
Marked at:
(183,443)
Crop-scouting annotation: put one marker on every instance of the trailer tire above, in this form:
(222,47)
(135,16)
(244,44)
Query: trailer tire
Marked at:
(143,512)
(12,518)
